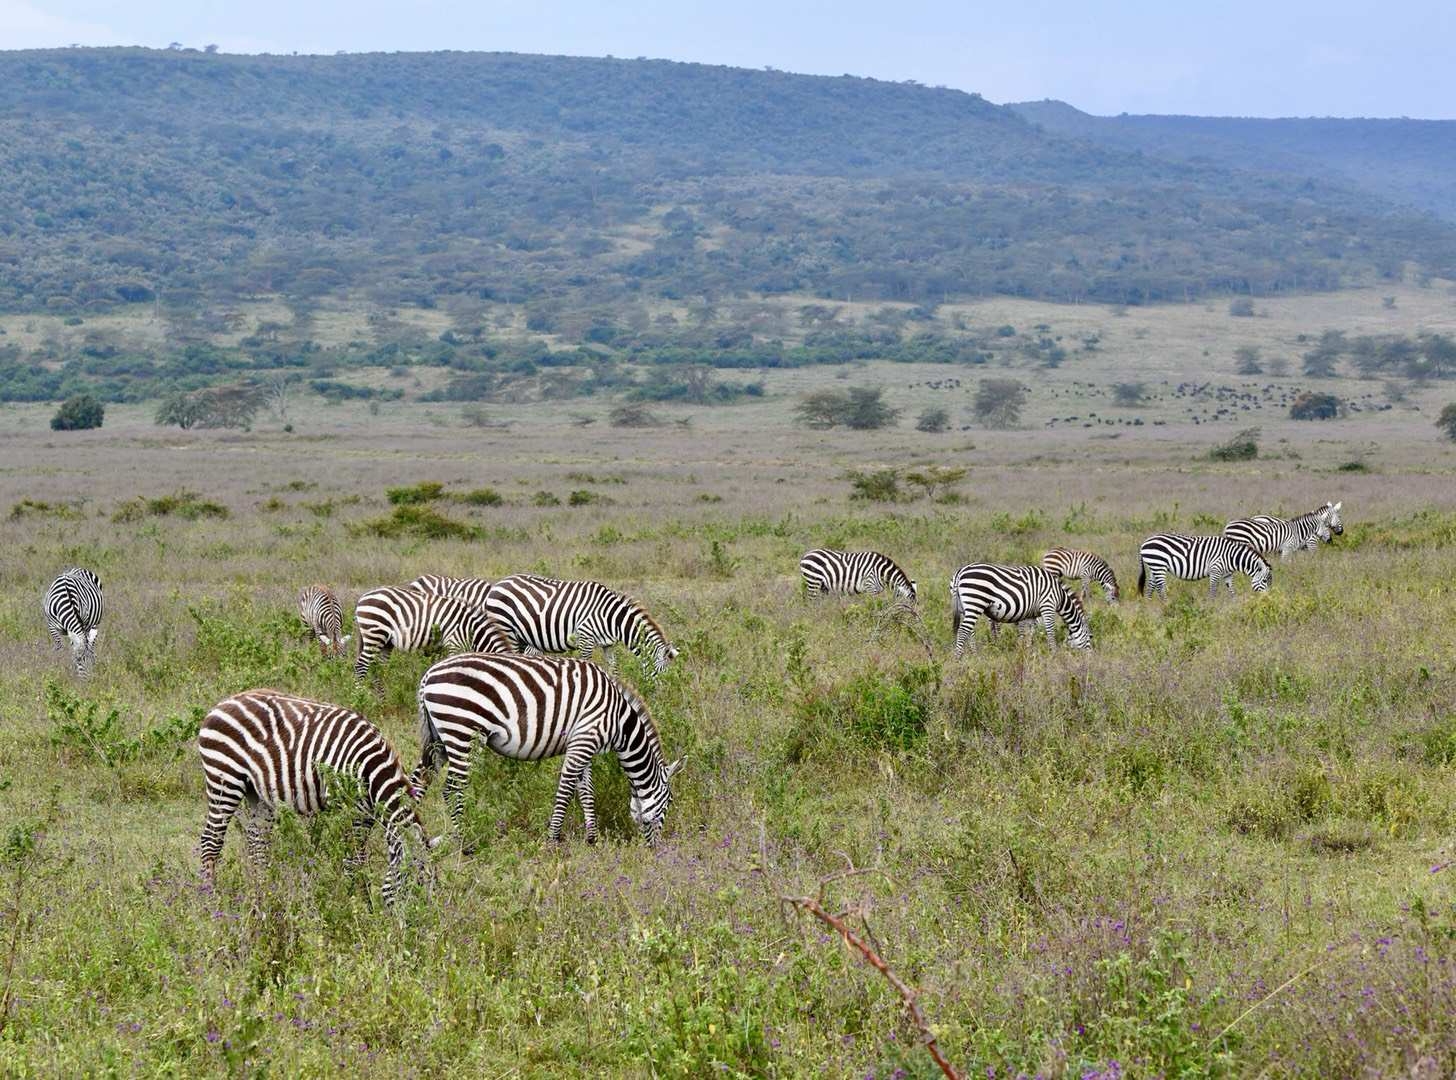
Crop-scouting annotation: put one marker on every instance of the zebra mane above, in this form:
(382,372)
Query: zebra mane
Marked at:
(638,708)
(642,617)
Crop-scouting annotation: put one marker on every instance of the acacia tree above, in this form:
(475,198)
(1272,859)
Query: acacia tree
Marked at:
(79,413)
(999,402)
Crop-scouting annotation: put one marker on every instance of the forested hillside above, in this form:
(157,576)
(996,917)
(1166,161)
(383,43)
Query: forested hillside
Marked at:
(181,177)
(1406,161)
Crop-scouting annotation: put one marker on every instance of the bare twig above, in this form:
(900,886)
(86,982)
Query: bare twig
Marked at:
(813,906)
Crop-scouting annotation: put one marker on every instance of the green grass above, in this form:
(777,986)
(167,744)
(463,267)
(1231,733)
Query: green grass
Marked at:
(1075,858)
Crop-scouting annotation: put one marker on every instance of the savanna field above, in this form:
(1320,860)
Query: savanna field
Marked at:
(1218,844)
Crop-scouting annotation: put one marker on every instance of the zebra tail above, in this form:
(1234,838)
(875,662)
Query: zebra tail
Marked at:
(957,611)
(1142,576)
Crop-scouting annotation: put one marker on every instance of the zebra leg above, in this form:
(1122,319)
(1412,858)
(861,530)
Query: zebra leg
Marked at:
(364,658)
(586,647)
(363,825)
(1086,589)
(57,638)
(1158,582)
(394,846)
(578,761)
(456,774)
(587,796)
(966,635)
(1215,578)
(259,831)
(1049,623)
(221,805)
(1025,628)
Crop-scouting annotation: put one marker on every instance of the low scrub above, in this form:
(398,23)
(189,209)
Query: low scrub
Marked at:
(188,505)
(419,521)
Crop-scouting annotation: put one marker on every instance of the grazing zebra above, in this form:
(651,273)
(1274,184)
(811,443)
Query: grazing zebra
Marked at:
(1269,534)
(264,747)
(1018,594)
(405,619)
(1067,563)
(534,707)
(73,610)
(1193,558)
(320,611)
(851,572)
(470,589)
(543,615)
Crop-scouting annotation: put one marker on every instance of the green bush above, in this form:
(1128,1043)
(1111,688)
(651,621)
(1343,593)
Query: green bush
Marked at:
(423,492)
(419,521)
(188,505)
(79,413)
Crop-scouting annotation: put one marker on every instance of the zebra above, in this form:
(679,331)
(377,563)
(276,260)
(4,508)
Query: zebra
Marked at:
(1268,534)
(1069,563)
(535,707)
(1193,558)
(1019,594)
(542,615)
(851,572)
(401,618)
(471,590)
(264,747)
(73,611)
(321,612)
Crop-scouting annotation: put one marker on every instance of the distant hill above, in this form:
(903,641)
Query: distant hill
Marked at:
(1409,162)
(134,175)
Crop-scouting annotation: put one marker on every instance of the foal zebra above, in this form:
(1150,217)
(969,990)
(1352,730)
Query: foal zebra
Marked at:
(470,589)
(73,611)
(264,748)
(535,707)
(851,572)
(321,612)
(1018,594)
(406,619)
(1193,558)
(1268,534)
(1068,563)
(544,615)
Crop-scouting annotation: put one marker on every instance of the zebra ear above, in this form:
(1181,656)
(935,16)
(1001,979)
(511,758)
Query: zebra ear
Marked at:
(1337,506)
(675,766)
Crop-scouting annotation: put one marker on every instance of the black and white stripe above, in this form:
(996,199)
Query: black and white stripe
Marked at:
(850,572)
(535,707)
(407,619)
(1267,534)
(544,615)
(73,612)
(1019,594)
(1070,563)
(1193,558)
(470,589)
(321,612)
(264,748)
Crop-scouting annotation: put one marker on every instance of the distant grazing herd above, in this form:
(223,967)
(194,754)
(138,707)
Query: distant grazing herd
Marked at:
(262,749)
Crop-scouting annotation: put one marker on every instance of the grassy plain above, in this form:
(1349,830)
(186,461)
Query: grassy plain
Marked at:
(1216,845)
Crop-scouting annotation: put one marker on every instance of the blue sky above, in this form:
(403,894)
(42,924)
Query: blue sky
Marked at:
(1295,58)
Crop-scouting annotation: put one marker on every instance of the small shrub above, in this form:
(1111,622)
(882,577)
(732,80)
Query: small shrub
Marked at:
(419,521)
(633,415)
(582,497)
(999,402)
(1447,421)
(35,508)
(933,421)
(876,710)
(1129,394)
(79,413)
(1311,406)
(1246,360)
(1354,467)
(1241,307)
(545,498)
(881,486)
(423,492)
(1242,447)
(188,505)
(481,497)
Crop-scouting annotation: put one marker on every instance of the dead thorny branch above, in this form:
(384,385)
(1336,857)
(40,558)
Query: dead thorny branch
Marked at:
(814,905)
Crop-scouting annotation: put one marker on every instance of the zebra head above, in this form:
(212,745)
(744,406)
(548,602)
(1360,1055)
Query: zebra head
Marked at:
(83,652)
(907,590)
(662,655)
(1260,575)
(1079,631)
(649,806)
(1336,525)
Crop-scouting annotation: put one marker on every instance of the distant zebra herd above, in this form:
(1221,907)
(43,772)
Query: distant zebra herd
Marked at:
(262,750)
